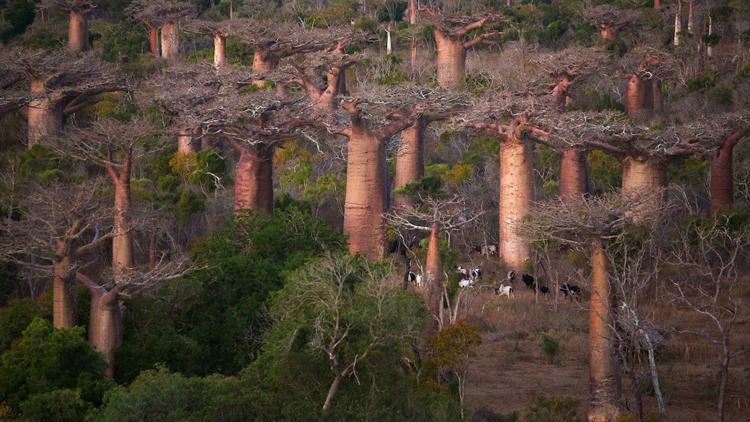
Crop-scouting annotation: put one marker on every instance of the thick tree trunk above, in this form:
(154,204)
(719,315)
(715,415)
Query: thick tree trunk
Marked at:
(635,98)
(657,4)
(560,93)
(78,32)
(433,276)
(608,33)
(602,405)
(220,50)
(105,325)
(644,178)
(45,116)
(366,195)
(185,144)
(722,175)
(253,183)
(170,41)
(451,60)
(516,194)
(411,11)
(122,242)
(153,40)
(263,62)
(574,174)
(409,160)
(63,293)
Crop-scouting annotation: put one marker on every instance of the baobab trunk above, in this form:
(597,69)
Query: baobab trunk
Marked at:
(412,12)
(122,241)
(153,40)
(635,97)
(432,276)
(602,380)
(451,60)
(253,182)
(409,160)
(105,325)
(645,178)
(516,194)
(608,33)
(170,41)
(63,309)
(185,143)
(560,93)
(573,174)
(78,32)
(45,116)
(263,61)
(656,97)
(220,50)
(657,4)
(722,173)
(366,196)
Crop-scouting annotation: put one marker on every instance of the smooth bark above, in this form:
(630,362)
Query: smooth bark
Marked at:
(220,50)
(409,160)
(722,175)
(433,276)
(153,40)
(263,61)
(170,41)
(105,322)
(185,143)
(451,60)
(635,97)
(45,115)
(645,178)
(516,194)
(78,32)
(574,174)
(602,404)
(122,241)
(63,298)
(253,184)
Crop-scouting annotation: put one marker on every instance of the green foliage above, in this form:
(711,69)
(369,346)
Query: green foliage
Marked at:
(550,347)
(605,171)
(45,360)
(453,346)
(552,409)
(15,317)
(212,320)
(64,405)
(690,172)
(124,42)
(392,73)
(45,165)
(428,186)
(188,204)
(18,14)
(392,11)
(159,395)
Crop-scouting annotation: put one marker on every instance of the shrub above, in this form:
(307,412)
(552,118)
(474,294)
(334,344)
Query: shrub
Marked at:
(550,348)
(552,409)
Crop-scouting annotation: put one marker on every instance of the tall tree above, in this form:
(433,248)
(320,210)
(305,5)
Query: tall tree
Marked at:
(162,16)
(78,32)
(611,20)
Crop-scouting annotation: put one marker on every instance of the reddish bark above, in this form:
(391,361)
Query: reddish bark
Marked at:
(516,194)
(185,144)
(366,193)
(410,159)
(573,174)
(45,115)
(560,92)
(78,32)
(63,308)
(643,177)
(411,12)
(722,174)
(451,60)
(220,50)
(122,241)
(263,61)
(105,322)
(609,33)
(635,97)
(153,40)
(602,381)
(170,41)
(433,275)
(253,183)
(657,4)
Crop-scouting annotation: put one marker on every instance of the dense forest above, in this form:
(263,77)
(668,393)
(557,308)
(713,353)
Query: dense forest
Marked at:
(489,210)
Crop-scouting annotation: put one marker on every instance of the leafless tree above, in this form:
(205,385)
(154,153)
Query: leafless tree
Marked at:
(611,20)
(78,34)
(164,16)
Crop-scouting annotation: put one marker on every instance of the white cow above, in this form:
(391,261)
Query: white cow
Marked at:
(465,283)
(504,290)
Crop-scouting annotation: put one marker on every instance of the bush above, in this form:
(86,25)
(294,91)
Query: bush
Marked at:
(15,317)
(63,405)
(552,409)
(550,348)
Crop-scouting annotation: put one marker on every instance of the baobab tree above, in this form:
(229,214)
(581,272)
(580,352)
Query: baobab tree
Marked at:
(611,20)
(78,32)
(219,31)
(59,225)
(721,178)
(590,224)
(453,36)
(60,85)
(162,16)
(645,68)
(435,215)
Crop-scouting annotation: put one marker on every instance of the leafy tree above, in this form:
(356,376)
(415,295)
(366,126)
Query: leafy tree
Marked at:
(15,317)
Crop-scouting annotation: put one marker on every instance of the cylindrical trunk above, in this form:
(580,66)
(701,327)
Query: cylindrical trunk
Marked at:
(602,404)
(366,194)
(646,179)
(122,242)
(220,50)
(45,117)
(432,276)
(388,42)
(451,60)
(516,194)
(560,93)
(253,180)
(170,41)
(153,242)
(263,62)
(413,69)
(78,32)
(63,294)
(721,179)
(105,325)
(678,24)
(409,160)
(690,17)
(635,97)
(185,143)
(153,40)
(574,174)
(412,12)
(657,4)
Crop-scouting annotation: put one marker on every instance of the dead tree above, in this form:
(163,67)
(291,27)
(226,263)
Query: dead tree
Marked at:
(453,36)
(59,85)
(162,16)
(565,68)
(58,226)
(611,20)
(434,216)
(590,224)
(78,32)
